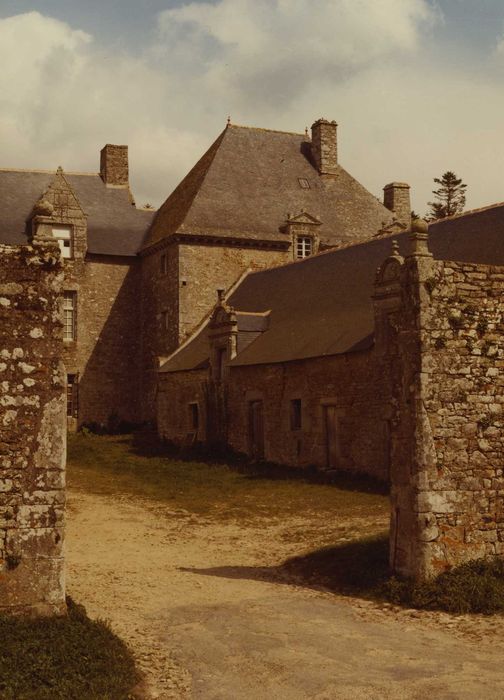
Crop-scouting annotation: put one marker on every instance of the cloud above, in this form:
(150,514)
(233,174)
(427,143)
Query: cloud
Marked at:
(404,112)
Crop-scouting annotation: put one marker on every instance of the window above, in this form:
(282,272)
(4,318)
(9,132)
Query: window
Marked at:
(69,315)
(304,247)
(295,414)
(72,395)
(63,234)
(164,320)
(194,416)
(163,264)
(303,183)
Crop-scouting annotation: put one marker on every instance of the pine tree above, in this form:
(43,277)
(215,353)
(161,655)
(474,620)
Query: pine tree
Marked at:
(450,196)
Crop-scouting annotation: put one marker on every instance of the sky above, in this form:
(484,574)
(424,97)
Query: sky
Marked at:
(415,85)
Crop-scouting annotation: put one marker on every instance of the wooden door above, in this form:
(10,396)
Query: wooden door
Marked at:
(332,436)
(256,429)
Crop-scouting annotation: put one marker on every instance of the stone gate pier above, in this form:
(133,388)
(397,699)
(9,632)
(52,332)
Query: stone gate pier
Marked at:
(445,331)
(32,430)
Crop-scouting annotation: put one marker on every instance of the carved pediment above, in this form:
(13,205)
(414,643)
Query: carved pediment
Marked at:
(304,218)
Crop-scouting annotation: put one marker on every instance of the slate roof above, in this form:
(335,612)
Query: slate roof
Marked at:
(322,305)
(247,183)
(115,226)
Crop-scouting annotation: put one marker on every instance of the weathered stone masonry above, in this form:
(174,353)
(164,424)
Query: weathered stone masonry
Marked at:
(32,430)
(448,437)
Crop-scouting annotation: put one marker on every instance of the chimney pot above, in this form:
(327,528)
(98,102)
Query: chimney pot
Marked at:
(114,165)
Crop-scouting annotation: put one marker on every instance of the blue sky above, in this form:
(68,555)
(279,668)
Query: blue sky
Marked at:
(416,85)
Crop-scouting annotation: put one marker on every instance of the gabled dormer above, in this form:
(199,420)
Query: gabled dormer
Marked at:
(302,229)
(58,214)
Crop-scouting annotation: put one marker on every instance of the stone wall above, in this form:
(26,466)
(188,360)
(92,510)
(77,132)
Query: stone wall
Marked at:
(105,353)
(186,291)
(448,437)
(355,387)
(32,431)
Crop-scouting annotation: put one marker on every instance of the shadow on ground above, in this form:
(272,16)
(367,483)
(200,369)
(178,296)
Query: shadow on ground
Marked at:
(357,568)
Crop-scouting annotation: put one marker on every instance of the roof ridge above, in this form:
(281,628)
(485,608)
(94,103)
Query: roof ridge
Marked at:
(45,171)
(259,128)
(469,212)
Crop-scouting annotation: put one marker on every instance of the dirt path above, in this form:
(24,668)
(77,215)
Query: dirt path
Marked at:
(209,617)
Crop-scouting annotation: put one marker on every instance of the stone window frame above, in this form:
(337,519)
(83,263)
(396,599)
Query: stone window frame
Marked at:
(163,264)
(65,235)
(69,316)
(302,250)
(164,320)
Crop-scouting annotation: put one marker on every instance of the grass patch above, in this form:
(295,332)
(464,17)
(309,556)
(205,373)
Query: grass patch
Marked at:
(115,465)
(475,587)
(360,568)
(68,657)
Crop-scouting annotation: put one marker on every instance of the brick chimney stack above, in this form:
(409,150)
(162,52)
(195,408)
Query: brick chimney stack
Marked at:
(325,146)
(396,197)
(114,165)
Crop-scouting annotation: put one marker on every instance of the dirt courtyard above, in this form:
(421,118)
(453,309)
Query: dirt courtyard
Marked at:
(209,615)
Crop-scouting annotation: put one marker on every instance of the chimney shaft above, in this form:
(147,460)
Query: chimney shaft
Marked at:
(325,146)
(396,197)
(114,165)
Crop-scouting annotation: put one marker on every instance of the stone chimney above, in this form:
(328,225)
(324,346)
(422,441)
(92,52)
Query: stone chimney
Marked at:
(114,165)
(325,146)
(396,197)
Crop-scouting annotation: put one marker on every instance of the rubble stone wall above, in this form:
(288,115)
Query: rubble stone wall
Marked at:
(32,431)
(448,438)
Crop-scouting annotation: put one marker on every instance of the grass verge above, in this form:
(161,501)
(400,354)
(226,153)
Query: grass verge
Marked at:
(69,657)
(114,465)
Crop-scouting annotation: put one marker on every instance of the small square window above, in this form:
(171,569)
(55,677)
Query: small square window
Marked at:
(163,264)
(304,247)
(64,236)
(304,183)
(69,315)
(194,416)
(295,414)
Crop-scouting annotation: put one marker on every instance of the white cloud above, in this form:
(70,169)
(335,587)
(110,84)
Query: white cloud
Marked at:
(270,63)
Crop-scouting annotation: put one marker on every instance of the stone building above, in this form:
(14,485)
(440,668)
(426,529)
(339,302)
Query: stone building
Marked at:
(383,358)
(138,282)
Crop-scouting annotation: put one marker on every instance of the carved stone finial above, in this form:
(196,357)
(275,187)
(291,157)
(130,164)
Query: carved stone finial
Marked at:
(419,238)
(306,131)
(59,171)
(43,208)
(395,247)
(220,295)
(419,226)
(229,120)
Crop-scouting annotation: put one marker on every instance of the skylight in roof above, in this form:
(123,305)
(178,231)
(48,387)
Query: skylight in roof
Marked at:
(303,183)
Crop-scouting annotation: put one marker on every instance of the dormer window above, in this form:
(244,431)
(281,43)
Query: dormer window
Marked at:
(64,236)
(304,247)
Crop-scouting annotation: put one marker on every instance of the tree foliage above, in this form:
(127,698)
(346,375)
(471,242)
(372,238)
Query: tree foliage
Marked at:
(450,196)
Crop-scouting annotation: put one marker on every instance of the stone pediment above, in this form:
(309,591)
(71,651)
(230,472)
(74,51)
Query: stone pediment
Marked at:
(303,218)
